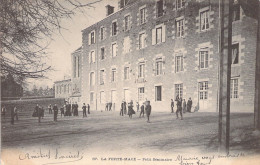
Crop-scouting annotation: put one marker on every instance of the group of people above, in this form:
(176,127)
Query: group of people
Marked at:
(65,110)
(129,110)
(14,113)
(182,106)
(108,106)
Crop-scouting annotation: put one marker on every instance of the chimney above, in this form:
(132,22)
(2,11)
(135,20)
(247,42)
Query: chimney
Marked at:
(110,9)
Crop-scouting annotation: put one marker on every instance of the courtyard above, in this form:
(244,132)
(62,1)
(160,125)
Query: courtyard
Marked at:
(108,134)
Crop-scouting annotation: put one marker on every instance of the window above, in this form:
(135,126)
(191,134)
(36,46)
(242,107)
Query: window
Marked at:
(92,79)
(102,97)
(235,53)
(127,46)
(142,15)
(114,47)
(91,96)
(159,6)
(158,67)
(65,88)
(102,29)
(126,73)
(102,76)
(203,90)
(123,3)
(178,63)
(234,89)
(180,4)
(179,90)
(127,22)
(92,35)
(204,59)
(114,28)
(141,40)
(236,12)
(141,70)
(158,93)
(180,28)
(141,94)
(102,53)
(204,20)
(158,35)
(92,57)
(113,75)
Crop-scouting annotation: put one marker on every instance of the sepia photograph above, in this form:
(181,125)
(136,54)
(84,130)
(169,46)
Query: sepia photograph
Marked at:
(130,82)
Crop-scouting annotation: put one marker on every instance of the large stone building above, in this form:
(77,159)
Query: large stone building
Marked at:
(158,49)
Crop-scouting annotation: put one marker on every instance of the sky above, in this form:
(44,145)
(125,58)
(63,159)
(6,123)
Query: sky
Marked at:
(71,39)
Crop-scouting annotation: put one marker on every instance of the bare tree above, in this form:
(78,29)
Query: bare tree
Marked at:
(24,27)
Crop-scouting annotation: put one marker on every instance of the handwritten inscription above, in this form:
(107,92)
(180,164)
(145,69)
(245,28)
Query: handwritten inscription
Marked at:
(70,156)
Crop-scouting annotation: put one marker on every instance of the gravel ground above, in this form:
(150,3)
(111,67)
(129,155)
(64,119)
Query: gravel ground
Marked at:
(106,133)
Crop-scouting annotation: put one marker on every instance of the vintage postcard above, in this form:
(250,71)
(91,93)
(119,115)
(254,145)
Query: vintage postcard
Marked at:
(162,82)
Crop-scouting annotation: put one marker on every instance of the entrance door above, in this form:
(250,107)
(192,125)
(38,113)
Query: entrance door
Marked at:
(113,99)
(203,95)
(141,95)
(127,95)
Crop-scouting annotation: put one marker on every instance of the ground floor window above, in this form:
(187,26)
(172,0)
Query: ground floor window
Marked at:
(203,90)
(91,96)
(102,97)
(234,88)
(141,94)
(158,93)
(179,90)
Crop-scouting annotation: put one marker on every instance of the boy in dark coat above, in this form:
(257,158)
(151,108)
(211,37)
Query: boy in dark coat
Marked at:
(189,105)
(84,108)
(142,110)
(55,109)
(148,109)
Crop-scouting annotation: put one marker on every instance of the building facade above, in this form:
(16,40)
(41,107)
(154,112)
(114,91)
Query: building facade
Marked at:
(156,50)
(76,84)
(63,89)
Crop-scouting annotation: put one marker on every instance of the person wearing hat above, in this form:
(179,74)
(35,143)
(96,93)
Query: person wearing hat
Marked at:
(55,109)
(172,106)
(84,108)
(130,109)
(179,107)
(148,109)
(142,110)
(122,109)
(189,105)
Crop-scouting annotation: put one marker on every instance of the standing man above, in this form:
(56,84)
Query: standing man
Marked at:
(88,109)
(148,109)
(189,105)
(84,108)
(142,110)
(137,106)
(62,111)
(172,105)
(55,109)
(76,109)
(50,109)
(179,108)
(184,106)
(39,113)
(122,109)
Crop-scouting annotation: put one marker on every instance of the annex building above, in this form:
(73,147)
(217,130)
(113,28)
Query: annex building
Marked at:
(158,49)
